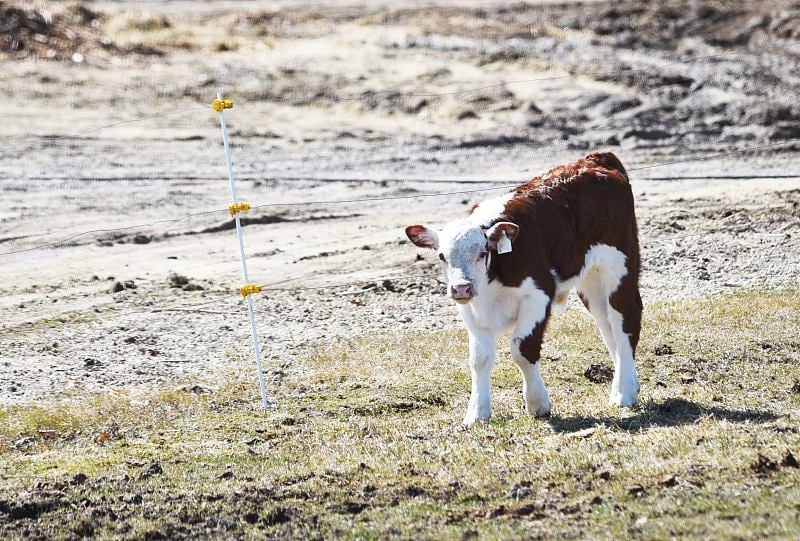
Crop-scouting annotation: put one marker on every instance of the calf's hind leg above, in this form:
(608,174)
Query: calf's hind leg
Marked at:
(611,295)
(625,318)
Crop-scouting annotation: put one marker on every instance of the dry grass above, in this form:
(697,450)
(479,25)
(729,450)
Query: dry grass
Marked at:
(132,28)
(368,444)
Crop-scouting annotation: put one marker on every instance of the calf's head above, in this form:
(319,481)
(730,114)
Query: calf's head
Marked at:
(463,248)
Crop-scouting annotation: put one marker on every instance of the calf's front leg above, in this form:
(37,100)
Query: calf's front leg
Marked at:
(482,352)
(526,346)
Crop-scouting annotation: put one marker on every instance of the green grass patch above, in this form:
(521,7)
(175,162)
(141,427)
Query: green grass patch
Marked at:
(367,443)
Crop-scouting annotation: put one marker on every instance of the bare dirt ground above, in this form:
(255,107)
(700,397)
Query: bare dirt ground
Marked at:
(313,122)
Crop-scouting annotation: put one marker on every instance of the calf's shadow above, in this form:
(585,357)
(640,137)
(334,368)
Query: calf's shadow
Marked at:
(665,413)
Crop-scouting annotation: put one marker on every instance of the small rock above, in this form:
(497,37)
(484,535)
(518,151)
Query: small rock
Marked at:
(142,239)
(663,349)
(192,287)
(763,465)
(532,108)
(617,104)
(415,106)
(152,470)
(177,280)
(784,130)
(597,373)
(669,481)
(194,389)
(388,285)
(647,135)
(496,512)
(79,478)
(117,287)
(24,443)
(604,474)
(636,490)
(225,475)
(251,517)
(677,226)
(788,460)
(132,498)
(521,490)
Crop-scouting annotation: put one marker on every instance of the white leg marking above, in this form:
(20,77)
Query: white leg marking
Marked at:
(482,350)
(537,400)
(625,385)
(532,314)
(596,295)
(603,271)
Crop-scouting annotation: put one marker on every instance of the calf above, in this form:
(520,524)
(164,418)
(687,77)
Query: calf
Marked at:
(513,261)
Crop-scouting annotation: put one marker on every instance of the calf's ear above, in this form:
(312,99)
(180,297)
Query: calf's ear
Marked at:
(422,236)
(495,233)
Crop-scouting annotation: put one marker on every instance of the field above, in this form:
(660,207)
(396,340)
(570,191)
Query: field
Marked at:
(129,404)
(367,444)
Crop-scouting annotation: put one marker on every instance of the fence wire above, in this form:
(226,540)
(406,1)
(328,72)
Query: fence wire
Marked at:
(106,126)
(377,199)
(202,307)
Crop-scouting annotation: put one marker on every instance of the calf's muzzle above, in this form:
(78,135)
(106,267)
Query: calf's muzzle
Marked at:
(462,292)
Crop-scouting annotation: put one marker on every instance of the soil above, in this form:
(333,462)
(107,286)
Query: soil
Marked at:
(664,87)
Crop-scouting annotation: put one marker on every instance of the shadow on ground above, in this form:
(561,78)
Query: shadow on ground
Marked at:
(669,412)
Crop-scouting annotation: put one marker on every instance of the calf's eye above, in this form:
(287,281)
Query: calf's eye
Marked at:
(441,257)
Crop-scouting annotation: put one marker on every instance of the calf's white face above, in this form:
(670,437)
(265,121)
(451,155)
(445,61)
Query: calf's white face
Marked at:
(463,249)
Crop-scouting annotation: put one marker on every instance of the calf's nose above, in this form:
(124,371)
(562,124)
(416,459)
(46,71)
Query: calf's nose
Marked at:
(461,291)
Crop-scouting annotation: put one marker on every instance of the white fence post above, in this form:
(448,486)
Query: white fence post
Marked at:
(236,207)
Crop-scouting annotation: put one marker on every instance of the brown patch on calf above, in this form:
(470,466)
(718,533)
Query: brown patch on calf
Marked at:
(531,345)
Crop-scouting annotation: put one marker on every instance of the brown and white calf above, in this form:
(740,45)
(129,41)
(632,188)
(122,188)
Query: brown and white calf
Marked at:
(513,261)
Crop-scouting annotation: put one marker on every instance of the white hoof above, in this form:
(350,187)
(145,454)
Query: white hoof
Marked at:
(538,409)
(475,415)
(624,395)
(622,400)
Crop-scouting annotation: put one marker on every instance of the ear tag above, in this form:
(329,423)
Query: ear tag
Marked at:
(504,244)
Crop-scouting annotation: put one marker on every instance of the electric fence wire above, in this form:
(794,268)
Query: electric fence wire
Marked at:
(375,199)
